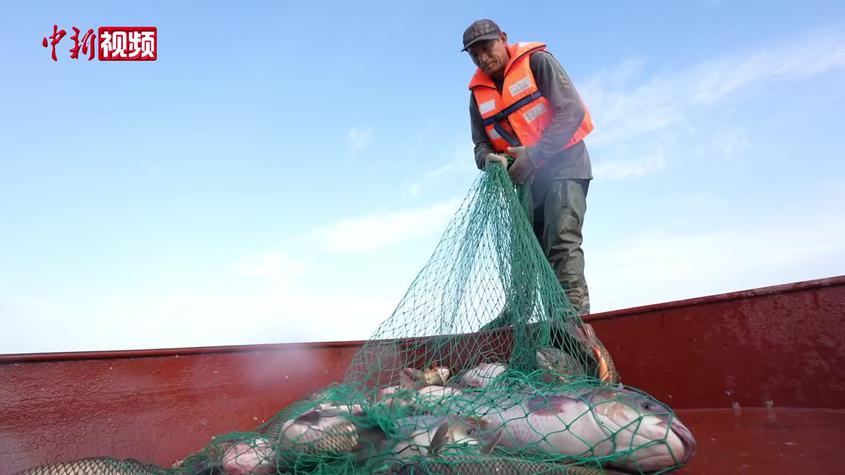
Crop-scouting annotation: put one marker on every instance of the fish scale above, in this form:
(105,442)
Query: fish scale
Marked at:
(97,466)
(486,465)
(339,437)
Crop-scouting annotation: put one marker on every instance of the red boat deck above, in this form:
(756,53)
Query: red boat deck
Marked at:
(777,354)
(760,440)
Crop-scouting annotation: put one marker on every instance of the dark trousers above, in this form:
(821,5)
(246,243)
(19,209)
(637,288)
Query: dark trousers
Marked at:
(559,209)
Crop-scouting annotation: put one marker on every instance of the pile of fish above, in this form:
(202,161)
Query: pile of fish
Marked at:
(476,423)
(570,416)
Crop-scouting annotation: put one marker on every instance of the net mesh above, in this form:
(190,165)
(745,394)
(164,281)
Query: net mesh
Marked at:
(484,366)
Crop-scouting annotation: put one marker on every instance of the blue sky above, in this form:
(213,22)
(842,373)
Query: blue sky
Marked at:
(284,169)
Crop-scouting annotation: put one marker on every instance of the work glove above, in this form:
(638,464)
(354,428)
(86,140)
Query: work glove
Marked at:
(522,170)
(495,157)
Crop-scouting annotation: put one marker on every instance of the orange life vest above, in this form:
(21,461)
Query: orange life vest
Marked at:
(518,115)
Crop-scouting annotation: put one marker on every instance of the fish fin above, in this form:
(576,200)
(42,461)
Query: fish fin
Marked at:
(604,372)
(405,380)
(438,439)
(494,441)
(411,378)
(371,440)
(589,333)
(479,422)
(437,375)
(543,361)
(549,405)
(431,377)
(607,361)
(584,335)
(309,417)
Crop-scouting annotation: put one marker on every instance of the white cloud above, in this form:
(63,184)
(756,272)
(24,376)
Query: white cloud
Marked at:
(192,318)
(368,233)
(232,306)
(299,315)
(652,268)
(618,169)
(799,57)
(661,110)
(460,166)
(358,139)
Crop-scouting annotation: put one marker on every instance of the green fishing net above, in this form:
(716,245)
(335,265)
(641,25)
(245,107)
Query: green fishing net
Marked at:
(483,367)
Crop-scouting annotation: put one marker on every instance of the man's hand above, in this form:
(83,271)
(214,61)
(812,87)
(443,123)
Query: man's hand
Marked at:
(495,157)
(523,168)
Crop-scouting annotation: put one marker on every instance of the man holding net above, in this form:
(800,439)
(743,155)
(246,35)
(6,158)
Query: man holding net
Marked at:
(526,115)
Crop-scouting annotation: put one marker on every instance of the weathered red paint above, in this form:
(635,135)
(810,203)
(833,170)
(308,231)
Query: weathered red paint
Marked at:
(782,344)
(157,406)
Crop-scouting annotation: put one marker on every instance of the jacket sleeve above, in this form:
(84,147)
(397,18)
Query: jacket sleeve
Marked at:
(554,84)
(479,135)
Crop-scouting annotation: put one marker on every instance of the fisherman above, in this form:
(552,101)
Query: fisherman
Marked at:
(523,105)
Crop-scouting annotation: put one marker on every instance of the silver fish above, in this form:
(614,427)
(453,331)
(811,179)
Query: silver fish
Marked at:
(434,395)
(564,365)
(423,399)
(481,376)
(634,431)
(431,435)
(314,432)
(414,378)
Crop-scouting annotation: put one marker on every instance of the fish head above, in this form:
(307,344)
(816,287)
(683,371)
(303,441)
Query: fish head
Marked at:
(492,370)
(558,361)
(254,456)
(482,375)
(548,357)
(444,373)
(643,426)
(329,409)
(452,431)
(410,377)
(463,431)
(426,434)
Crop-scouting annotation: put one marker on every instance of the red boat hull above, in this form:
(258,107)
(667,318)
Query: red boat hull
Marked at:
(758,376)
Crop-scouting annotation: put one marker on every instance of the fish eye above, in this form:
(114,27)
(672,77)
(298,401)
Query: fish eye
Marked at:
(647,405)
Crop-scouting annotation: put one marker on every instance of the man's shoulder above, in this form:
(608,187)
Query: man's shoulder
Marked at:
(541,57)
(544,65)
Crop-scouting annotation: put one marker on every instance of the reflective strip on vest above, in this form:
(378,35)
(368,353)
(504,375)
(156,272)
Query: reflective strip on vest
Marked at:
(487,106)
(519,86)
(535,112)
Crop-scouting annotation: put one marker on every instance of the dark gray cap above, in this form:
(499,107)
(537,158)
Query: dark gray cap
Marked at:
(479,31)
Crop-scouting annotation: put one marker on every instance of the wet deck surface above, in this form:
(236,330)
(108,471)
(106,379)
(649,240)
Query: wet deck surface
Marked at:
(770,441)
